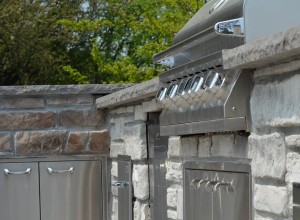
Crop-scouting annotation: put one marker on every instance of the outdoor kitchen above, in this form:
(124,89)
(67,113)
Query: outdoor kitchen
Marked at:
(214,137)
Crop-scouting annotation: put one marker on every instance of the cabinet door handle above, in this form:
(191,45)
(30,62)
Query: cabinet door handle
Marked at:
(120,184)
(50,170)
(27,171)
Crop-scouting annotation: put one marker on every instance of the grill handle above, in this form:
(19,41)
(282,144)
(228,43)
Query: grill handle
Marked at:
(234,27)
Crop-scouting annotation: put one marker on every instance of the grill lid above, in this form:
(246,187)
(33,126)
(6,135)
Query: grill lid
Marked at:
(198,38)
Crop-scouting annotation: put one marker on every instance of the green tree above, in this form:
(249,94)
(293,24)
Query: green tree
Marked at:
(126,34)
(86,41)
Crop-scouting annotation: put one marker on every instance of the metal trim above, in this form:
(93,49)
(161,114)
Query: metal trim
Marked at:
(219,125)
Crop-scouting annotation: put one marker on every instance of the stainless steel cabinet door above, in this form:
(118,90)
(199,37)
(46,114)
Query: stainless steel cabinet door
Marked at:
(231,201)
(197,201)
(70,190)
(19,191)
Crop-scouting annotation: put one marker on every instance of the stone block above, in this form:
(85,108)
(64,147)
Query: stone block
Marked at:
(268,156)
(204,146)
(172,214)
(114,209)
(182,147)
(292,141)
(174,171)
(140,182)
(114,168)
(141,211)
(152,106)
(27,120)
(130,109)
(139,113)
(172,197)
(180,204)
(229,146)
(117,148)
(77,142)
(293,167)
(99,141)
(272,199)
(70,101)
(276,104)
(22,103)
(5,142)
(82,118)
(121,110)
(117,130)
(135,141)
(40,142)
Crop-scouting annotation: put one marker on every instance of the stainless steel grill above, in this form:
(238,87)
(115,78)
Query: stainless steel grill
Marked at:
(201,96)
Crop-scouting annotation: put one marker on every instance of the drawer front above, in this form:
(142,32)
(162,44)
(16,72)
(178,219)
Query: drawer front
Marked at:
(19,191)
(71,190)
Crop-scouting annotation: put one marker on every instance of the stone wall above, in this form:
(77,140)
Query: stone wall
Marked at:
(43,120)
(128,137)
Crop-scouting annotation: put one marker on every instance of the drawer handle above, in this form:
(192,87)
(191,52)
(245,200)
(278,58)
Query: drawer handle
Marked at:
(196,183)
(50,170)
(120,184)
(27,171)
(215,185)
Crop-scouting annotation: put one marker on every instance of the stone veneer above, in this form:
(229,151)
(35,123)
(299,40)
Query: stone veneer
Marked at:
(272,145)
(43,120)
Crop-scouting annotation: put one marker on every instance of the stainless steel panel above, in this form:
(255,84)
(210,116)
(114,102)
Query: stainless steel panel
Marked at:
(19,191)
(210,192)
(231,202)
(71,191)
(125,191)
(296,193)
(158,147)
(263,18)
(296,212)
(197,201)
(221,125)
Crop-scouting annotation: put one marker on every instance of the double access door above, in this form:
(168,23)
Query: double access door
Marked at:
(216,195)
(51,190)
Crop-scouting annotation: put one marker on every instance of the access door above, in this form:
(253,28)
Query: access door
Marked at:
(19,191)
(70,190)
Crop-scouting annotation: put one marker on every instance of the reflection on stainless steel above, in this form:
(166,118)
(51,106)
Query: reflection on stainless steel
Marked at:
(181,87)
(161,94)
(171,91)
(231,27)
(213,79)
(197,84)
(188,85)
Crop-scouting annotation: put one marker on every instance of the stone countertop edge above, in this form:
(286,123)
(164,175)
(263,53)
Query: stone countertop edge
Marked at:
(89,89)
(277,48)
(135,93)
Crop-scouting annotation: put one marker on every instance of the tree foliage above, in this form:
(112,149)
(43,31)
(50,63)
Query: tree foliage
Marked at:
(78,41)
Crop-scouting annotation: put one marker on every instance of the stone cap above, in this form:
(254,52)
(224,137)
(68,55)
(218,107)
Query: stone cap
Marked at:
(89,89)
(136,93)
(275,49)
